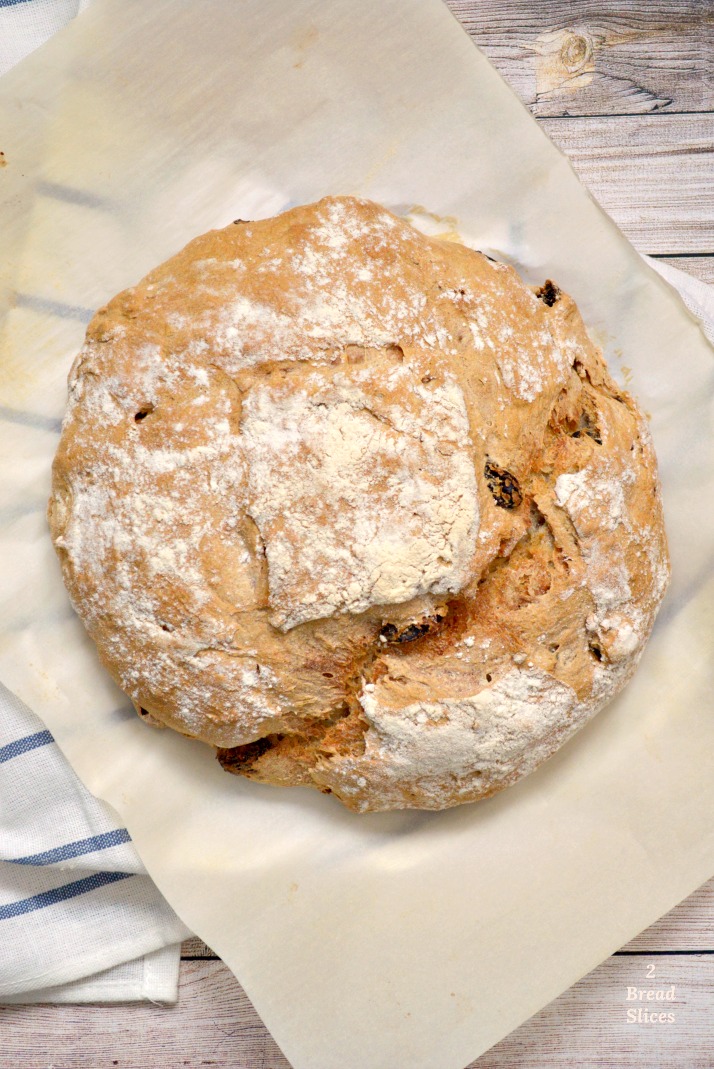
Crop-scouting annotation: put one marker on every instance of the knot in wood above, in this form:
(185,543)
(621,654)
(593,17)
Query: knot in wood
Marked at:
(575,51)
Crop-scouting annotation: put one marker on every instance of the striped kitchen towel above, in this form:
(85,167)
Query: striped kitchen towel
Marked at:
(80,921)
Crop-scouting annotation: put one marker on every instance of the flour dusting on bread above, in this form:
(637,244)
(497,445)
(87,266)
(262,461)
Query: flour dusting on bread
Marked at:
(362,486)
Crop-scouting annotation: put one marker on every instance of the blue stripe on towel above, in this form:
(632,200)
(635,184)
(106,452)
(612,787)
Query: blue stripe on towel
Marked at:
(75,849)
(20,746)
(60,894)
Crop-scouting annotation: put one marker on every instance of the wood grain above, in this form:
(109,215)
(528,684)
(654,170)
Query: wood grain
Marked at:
(598,57)
(587,1027)
(654,176)
(689,926)
(215,1024)
(196,948)
(696,264)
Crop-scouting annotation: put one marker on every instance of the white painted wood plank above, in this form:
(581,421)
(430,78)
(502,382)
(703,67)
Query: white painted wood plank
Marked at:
(700,266)
(653,175)
(215,1024)
(588,1026)
(689,926)
(595,57)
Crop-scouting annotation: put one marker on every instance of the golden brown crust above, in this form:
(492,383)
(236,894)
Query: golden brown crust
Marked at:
(357,507)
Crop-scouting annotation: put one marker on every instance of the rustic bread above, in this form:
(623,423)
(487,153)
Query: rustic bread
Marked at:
(357,507)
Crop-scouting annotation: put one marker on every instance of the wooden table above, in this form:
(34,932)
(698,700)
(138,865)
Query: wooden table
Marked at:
(625,88)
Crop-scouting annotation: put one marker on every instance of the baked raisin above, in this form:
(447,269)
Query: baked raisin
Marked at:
(548,293)
(503,485)
(391,633)
(412,632)
(240,758)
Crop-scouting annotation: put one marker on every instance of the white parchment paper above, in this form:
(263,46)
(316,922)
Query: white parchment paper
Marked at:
(365,942)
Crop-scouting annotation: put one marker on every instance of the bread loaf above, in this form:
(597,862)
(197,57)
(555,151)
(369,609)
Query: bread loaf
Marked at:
(357,507)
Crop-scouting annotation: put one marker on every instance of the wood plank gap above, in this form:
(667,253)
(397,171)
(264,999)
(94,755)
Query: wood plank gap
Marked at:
(660,112)
(681,255)
(616,953)
(656,953)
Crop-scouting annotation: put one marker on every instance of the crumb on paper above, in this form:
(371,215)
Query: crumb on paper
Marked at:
(444,227)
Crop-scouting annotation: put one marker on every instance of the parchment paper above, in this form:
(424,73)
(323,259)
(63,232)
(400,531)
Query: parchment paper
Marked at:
(388,940)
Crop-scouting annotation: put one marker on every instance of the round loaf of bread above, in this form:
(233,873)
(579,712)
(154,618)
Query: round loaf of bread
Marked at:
(358,508)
